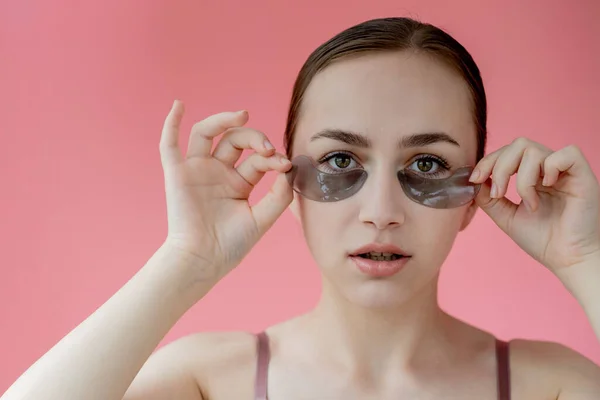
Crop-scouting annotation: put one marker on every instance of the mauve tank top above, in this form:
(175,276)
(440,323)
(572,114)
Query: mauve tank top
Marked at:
(263,356)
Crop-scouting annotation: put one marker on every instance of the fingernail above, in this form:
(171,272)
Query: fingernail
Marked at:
(545,180)
(494,191)
(474,176)
(268,145)
(284,160)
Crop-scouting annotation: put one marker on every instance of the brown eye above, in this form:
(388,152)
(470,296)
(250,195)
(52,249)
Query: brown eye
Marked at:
(424,165)
(342,161)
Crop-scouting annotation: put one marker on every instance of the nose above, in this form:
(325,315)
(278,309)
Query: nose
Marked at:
(382,201)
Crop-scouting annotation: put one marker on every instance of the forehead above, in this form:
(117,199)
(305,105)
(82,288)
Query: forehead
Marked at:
(388,95)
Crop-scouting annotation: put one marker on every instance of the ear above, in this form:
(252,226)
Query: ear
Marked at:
(469,215)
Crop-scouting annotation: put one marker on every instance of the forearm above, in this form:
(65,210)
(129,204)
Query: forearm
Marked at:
(100,358)
(583,281)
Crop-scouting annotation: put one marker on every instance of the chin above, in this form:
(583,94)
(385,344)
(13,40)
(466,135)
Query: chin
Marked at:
(378,294)
(354,288)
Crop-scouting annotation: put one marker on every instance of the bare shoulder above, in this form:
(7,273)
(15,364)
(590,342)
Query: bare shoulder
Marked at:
(561,372)
(223,363)
(217,348)
(199,365)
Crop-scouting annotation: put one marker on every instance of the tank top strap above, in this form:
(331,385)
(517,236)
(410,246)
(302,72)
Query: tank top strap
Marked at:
(503,365)
(262,366)
(263,358)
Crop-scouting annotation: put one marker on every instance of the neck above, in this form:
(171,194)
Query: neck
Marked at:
(372,338)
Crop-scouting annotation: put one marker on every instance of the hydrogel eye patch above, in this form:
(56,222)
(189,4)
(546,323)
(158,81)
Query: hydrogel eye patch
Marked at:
(449,192)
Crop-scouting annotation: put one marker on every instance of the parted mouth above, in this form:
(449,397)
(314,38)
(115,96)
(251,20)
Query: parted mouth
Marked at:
(375,256)
(381,252)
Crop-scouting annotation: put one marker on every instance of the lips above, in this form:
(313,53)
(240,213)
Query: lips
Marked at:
(379,248)
(379,268)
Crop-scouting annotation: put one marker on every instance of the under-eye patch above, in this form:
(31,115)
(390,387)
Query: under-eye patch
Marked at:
(449,192)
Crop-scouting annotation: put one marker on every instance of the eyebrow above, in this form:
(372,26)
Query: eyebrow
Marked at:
(359,140)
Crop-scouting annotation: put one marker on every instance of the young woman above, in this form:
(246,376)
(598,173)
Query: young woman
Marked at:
(385,166)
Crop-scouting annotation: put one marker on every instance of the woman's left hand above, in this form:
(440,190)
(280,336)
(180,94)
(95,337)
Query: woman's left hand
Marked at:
(558,219)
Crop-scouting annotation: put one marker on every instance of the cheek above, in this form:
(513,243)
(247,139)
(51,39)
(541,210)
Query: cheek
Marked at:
(427,232)
(322,224)
(437,230)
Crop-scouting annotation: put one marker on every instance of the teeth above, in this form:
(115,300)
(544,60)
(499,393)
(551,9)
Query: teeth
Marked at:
(377,256)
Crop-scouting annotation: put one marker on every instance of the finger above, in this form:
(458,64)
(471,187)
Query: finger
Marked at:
(483,169)
(506,165)
(255,166)
(569,159)
(501,211)
(169,139)
(270,207)
(528,175)
(203,132)
(236,140)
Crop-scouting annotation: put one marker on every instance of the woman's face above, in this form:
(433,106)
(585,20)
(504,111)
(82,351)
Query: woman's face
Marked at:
(377,102)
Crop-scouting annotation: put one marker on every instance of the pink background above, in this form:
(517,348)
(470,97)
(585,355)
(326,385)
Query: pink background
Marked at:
(85,89)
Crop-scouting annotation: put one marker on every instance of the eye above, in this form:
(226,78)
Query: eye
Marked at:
(337,162)
(425,165)
(430,165)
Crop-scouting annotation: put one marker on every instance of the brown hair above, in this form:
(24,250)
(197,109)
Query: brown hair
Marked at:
(392,34)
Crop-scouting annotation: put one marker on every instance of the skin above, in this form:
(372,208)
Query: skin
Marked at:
(387,338)
(366,338)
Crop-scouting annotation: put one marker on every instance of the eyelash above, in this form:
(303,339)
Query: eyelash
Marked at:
(443,164)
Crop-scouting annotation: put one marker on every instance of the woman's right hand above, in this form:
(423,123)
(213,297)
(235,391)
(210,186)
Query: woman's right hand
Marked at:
(209,217)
